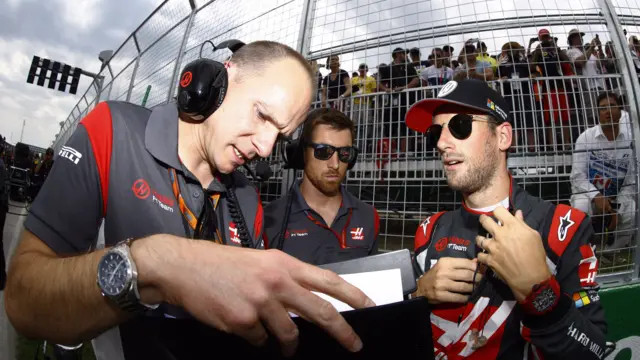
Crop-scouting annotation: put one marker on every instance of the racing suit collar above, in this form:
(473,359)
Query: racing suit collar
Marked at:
(513,197)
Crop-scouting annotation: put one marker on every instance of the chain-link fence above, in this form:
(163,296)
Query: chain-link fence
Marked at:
(550,59)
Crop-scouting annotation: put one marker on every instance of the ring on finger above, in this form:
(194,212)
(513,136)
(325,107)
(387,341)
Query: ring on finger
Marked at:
(482,245)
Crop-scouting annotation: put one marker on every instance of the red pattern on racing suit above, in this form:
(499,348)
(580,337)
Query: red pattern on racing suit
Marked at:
(571,330)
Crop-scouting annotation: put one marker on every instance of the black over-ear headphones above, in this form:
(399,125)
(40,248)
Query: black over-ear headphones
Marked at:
(293,152)
(293,155)
(203,83)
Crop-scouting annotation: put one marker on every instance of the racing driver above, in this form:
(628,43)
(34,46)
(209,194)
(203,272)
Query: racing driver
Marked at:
(509,276)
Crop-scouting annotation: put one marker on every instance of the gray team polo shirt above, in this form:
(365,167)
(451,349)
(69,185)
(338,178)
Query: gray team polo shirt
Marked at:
(68,212)
(353,233)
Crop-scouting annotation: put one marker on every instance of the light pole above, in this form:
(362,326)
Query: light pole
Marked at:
(24,122)
(104,57)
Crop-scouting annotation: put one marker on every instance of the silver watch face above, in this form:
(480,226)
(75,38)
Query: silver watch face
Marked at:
(114,273)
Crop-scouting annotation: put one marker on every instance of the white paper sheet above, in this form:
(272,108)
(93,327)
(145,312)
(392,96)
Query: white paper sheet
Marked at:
(383,287)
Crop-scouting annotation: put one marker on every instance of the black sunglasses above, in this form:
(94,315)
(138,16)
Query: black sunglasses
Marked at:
(460,127)
(346,154)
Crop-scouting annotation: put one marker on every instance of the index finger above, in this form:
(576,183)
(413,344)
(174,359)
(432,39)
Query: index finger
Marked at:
(322,313)
(503,215)
(489,224)
(328,282)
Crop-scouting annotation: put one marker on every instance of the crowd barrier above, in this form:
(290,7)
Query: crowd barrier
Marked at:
(399,175)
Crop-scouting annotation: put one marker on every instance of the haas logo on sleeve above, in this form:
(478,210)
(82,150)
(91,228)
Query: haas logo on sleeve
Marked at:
(588,268)
(233,233)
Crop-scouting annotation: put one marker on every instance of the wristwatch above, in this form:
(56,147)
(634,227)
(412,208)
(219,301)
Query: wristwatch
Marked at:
(543,297)
(118,279)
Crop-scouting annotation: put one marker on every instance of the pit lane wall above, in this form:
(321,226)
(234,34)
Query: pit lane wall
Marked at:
(623,318)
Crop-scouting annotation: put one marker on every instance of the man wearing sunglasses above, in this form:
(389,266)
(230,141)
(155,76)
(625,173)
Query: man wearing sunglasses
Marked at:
(508,275)
(319,221)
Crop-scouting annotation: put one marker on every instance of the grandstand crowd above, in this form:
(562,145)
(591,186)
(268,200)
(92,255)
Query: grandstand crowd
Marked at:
(563,100)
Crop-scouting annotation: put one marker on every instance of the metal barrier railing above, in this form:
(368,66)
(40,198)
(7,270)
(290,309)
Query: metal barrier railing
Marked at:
(397,173)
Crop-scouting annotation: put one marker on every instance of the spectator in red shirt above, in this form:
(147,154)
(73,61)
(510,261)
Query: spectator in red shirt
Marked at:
(547,60)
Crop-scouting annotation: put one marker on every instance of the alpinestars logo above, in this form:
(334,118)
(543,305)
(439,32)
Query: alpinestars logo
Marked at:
(357,233)
(71,154)
(565,224)
(425,224)
(233,233)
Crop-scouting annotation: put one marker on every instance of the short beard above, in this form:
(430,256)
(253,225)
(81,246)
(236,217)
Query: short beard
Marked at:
(326,188)
(480,176)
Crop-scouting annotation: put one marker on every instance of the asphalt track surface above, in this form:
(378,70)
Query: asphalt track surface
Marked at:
(12,229)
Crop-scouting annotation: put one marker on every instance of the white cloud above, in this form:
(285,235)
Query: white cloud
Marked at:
(80,15)
(14,4)
(72,32)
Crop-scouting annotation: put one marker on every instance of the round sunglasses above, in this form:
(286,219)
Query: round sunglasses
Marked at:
(460,127)
(324,152)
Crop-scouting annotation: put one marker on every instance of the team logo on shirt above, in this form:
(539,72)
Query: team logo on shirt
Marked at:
(565,224)
(453,242)
(588,268)
(295,233)
(233,233)
(441,244)
(141,189)
(357,233)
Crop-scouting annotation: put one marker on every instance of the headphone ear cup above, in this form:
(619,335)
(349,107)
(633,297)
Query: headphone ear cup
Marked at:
(203,86)
(295,155)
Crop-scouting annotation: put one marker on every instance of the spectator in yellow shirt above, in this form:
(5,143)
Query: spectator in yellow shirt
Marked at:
(363,118)
(484,56)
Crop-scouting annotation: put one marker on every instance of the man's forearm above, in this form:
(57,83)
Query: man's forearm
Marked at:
(57,299)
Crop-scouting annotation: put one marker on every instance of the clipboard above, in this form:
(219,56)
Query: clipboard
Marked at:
(394,331)
(386,261)
(400,330)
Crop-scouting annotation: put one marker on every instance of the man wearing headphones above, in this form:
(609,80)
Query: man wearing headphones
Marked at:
(150,185)
(319,221)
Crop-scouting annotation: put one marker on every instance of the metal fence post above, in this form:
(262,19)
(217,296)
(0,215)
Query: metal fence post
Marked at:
(306,17)
(183,45)
(632,87)
(135,68)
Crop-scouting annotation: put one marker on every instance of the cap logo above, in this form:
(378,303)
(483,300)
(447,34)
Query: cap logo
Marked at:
(491,105)
(448,88)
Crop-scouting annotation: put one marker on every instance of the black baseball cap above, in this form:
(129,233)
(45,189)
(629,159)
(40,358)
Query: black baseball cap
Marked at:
(398,50)
(469,96)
